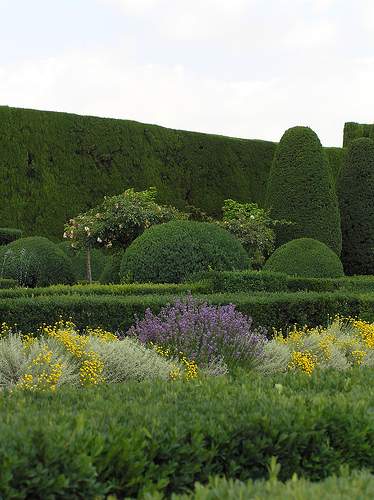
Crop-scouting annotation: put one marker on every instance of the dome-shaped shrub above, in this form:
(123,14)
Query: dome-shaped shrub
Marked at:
(356,199)
(301,190)
(171,252)
(35,261)
(305,257)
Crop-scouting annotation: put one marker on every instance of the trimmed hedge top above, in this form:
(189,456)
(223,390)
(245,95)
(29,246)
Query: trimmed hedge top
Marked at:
(36,261)
(171,252)
(357,207)
(305,257)
(301,190)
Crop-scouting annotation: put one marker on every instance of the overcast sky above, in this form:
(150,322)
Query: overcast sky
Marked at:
(244,68)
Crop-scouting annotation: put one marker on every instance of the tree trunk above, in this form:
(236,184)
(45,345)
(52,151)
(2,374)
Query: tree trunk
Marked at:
(88,266)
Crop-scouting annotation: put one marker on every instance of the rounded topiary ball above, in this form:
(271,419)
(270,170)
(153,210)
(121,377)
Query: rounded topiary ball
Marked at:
(36,261)
(171,252)
(305,257)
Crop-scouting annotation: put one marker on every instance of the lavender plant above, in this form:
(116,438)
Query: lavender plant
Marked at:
(204,333)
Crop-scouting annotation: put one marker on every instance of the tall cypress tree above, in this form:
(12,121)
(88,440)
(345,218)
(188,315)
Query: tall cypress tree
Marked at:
(355,187)
(301,190)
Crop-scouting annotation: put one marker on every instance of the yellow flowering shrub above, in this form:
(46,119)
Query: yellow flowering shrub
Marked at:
(60,354)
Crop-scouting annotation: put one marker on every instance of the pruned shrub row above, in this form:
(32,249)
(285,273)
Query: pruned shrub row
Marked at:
(109,445)
(277,310)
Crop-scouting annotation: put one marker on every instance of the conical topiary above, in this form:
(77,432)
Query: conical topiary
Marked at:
(301,190)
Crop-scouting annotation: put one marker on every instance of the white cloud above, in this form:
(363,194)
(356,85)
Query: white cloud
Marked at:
(107,84)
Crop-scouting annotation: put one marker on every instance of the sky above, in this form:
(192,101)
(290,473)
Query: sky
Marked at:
(242,68)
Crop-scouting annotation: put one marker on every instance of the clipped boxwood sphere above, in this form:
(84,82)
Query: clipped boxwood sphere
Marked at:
(171,252)
(356,199)
(36,261)
(305,257)
(301,190)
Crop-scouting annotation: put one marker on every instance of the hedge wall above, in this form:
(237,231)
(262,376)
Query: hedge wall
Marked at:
(271,310)
(354,131)
(56,165)
(149,440)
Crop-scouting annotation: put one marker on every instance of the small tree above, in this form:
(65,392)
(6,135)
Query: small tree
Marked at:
(253,227)
(117,221)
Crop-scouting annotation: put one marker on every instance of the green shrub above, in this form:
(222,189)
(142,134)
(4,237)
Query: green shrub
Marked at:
(118,312)
(7,235)
(354,131)
(266,281)
(301,190)
(99,260)
(358,485)
(305,257)
(35,261)
(171,252)
(357,207)
(8,283)
(68,445)
(111,270)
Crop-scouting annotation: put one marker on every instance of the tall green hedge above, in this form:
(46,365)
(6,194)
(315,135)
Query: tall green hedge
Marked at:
(56,165)
(301,190)
(354,131)
(357,207)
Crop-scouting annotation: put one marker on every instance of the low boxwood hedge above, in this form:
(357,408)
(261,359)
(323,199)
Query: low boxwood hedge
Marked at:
(7,283)
(131,439)
(116,312)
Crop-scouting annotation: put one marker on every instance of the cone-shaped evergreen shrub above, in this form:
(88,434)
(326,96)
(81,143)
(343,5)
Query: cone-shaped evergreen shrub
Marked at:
(356,199)
(172,252)
(305,257)
(301,190)
(35,261)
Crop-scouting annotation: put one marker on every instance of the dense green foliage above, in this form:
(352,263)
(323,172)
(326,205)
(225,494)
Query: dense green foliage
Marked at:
(117,311)
(119,220)
(101,441)
(99,260)
(8,283)
(252,226)
(110,272)
(357,207)
(172,252)
(35,261)
(354,131)
(305,257)
(301,190)
(54,166)
(7,235)
(349,487)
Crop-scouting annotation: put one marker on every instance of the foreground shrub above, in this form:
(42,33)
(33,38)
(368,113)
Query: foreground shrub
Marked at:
(357,207)
(205,333)
(358,485)
(35,261)
(301,190)
(7,235)
(171,252)
(305,257)
(137,438)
